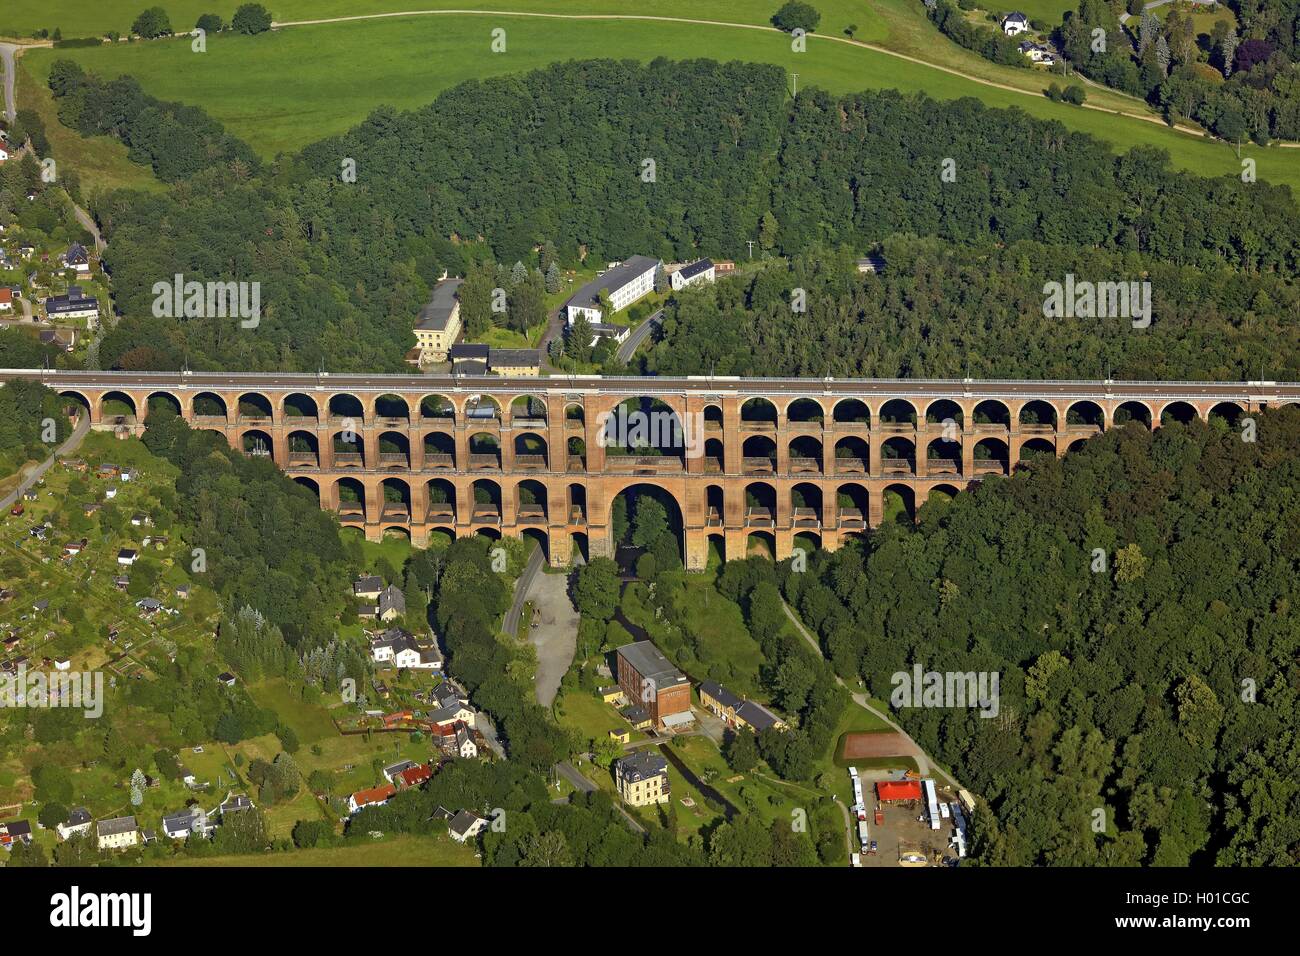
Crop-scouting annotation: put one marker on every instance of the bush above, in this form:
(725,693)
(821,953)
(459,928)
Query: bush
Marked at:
(210,23)
(251,18)
(152,23)
(796,16)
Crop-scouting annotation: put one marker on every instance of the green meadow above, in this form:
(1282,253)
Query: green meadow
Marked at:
(283,90)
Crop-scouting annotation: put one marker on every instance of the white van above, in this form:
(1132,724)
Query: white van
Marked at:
(855,860)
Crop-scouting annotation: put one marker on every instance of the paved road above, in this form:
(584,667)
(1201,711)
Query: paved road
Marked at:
(71,444)
(924,763)
(571,774)
(556,635)
(511,623)
(671,386)
(639,335)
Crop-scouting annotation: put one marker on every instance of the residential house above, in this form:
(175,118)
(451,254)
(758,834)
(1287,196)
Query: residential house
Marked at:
(642,778)
(6,299)
(391,603)
(518,363)
(127,556)
(623,284)
(390,772)
(374,797)
(367,588)
(1037,53)
(14,832)
(447,716)
(611,695)
(465,825)
(414,776)
(700,271)
(235,803)
(737,712)
(226,678)
(73,305)
(1013,24)
(646,676)
(77,824)
(465,746)
(76,258)
(117,833)
(179,825)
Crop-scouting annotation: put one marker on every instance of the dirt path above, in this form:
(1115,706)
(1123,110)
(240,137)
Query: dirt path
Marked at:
(924,763)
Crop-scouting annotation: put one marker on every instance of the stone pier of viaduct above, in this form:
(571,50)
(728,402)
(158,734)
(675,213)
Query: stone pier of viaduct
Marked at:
(780,458)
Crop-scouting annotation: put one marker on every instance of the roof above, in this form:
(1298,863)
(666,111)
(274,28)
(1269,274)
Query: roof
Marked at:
(77,816)
(1016,17)
(642,765)
(368,584)
(650,663)
(898,789)
(719,693)
(514,357)
(469,350)
(446,714)
(680,718)
(115,825)
(414,776)
(435,316)
(588,297)
(180,819)
(463,821)
(392,599)
(374,795)
(695,268)
(757,716)
(76,253)
(237,802)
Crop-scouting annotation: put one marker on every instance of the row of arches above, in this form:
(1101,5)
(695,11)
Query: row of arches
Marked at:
(755,414)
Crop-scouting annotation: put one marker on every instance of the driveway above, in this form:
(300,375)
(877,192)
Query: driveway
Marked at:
(511,624)
(556,635)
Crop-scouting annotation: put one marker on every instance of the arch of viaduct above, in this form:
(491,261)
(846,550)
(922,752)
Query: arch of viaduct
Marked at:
(516,456)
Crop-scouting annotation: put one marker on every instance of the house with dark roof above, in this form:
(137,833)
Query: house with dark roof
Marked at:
(14,832)
(465,825)
(642,778)
(623,284)
(76,258)
(701,270)
(1014,24)
(438,325)
(117,833)
(78,823)
(73,305)
(736,711)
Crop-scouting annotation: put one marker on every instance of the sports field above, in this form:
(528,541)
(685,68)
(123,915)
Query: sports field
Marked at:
(282,90)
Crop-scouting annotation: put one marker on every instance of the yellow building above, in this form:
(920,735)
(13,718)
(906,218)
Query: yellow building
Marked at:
(439,323)
(117,833)
(611,695)
(515,362)
(642,778)
(622,736)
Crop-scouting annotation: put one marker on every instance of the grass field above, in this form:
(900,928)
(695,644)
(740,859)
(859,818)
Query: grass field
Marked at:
(21,18)
(397,851)
(278,92)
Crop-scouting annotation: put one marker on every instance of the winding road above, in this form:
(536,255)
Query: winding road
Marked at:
(642,332)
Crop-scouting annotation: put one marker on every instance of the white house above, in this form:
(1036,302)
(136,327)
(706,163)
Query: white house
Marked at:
(465,825)
(6,299)
(179,825)
(1014,24)
(78,822)
(117,833)
(76,258)
(623,284)
(449,715)
(1037,52)
(74,305)
(700,271)
(465,745)
(4,155)
(126,557)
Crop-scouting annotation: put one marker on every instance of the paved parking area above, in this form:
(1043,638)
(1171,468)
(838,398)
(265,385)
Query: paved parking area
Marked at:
(556,635)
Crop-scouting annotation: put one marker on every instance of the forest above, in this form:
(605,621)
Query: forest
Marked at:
(347,238)
(1138,600)
(944,310)
(1241,82)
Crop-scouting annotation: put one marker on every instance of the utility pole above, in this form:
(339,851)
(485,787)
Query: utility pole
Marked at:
(750,243)
(796,84)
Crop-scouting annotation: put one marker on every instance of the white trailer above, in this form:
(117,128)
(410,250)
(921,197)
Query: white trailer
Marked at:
(863,836)
(932,803)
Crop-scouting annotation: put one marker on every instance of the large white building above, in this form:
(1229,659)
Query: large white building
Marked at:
(624,284)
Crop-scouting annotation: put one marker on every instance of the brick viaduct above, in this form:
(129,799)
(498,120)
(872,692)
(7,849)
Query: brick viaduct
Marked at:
(780,458)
